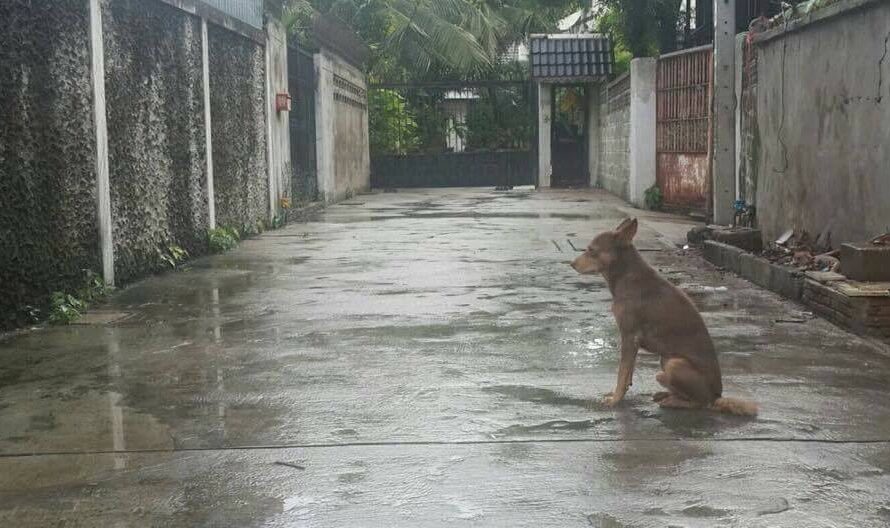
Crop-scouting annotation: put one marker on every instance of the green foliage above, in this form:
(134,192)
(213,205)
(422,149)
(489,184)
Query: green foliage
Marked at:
(499,119)
(654,198)
(223,239)
(172,256)
(65,308)
(393,130)
(641,28)
(417,38)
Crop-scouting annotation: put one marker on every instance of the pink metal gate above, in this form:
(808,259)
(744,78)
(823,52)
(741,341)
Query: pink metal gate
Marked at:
(683,124)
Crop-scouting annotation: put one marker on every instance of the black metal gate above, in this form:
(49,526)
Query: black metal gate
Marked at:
(301,85)
(442,134)
(569,137)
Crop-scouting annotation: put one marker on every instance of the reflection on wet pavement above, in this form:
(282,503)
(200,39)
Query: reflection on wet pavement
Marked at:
(429,359)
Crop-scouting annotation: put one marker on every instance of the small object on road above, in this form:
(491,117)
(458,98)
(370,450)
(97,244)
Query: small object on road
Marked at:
(797,321)
(290,464)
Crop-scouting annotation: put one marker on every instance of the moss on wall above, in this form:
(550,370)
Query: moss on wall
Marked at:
(237,104)
(157,161)
(48,231)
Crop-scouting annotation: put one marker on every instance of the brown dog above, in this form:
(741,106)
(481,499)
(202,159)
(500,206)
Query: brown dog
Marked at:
(656,316)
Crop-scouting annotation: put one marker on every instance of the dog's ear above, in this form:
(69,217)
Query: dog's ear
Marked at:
(622,224)
(627,230)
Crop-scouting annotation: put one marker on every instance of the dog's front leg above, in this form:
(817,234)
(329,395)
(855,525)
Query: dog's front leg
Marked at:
(629,349)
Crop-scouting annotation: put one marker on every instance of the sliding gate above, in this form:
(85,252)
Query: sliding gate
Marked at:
(445,134)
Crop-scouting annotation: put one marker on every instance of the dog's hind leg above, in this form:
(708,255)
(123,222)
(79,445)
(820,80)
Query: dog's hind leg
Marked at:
(686,386)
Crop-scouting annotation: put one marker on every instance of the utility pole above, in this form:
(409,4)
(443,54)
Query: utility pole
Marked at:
(724,166)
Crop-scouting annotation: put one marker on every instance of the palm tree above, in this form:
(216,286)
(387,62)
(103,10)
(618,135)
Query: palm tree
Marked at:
(434,37)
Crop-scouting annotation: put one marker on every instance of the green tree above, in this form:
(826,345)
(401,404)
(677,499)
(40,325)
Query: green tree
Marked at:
(642,28)
(417,39)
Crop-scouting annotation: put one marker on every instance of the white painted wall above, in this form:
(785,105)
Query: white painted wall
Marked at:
(642,128)
(277,122)
(594,153)
(545,119)
(343,148)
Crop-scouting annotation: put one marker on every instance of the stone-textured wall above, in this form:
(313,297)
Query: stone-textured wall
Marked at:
(156,133)
(823,116)
(614,137)
(237,105)
(48,230)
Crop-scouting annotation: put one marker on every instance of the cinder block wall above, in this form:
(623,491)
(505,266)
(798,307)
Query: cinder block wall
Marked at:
(615,136)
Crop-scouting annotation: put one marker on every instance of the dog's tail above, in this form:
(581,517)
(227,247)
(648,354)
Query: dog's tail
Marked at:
(734,406)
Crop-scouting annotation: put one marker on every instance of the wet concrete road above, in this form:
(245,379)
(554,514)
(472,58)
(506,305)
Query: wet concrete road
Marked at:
(428,359)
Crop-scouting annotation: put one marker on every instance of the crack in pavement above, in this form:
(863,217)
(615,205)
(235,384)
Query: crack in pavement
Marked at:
(433,443)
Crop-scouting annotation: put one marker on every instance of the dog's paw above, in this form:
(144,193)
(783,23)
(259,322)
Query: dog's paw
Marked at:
(658,396)
(610,400)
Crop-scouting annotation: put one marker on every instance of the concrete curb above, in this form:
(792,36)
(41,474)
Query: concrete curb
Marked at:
(778,279)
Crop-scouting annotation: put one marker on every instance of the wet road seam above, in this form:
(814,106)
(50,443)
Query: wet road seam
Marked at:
(277,447)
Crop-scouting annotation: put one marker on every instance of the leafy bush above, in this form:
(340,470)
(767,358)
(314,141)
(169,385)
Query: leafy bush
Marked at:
(654,198)
(172,255)
(65,308)
(223,239)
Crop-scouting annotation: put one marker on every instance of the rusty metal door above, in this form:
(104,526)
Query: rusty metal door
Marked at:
(683,138)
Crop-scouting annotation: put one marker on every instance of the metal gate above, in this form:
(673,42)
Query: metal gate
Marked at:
(301,85)
(683,137)
(451,134)
(569,136)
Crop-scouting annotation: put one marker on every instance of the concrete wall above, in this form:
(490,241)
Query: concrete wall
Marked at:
(238,107)
(343,151)
(48,226)
(823,118)
(614,166)
(155,112)
(279,124)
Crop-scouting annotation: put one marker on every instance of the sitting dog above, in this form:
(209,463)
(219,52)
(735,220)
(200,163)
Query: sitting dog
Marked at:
(656,316)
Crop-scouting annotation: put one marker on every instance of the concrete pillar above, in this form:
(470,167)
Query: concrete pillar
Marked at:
(723,171)
(270,114)
(545,118)
(642,128)
(103,186)
(594,153)
(324,126)
(208,131)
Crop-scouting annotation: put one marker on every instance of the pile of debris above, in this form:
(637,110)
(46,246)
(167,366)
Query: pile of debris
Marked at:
(799,250)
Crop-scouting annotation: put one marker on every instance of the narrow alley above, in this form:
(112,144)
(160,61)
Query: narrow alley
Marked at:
(428,358)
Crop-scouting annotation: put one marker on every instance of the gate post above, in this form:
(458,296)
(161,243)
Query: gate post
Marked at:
(593,133)
(545,118)
(642,128)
